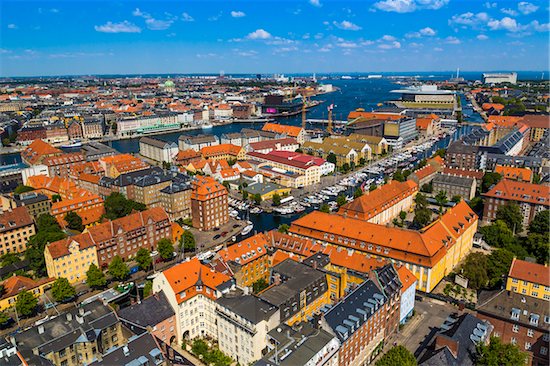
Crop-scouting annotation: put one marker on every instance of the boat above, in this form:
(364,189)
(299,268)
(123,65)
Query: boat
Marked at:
(72,143)
(233,213)
(111,294)
(248,228)
(207,126)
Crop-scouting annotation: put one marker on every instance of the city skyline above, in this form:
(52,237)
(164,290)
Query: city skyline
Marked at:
(64,38)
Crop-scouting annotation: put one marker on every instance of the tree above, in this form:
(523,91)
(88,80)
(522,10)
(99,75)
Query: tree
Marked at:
(74,221)
(456,198)
(188,241)
(358,192)
(117,206)
(427,188)
(118,269)
(331,158)
(22,189)
(199,347)
(226,184)
(497,353)
(372,187)
(217,358)
(402,216)
(9,258)
(476,204)
(56,198)
(538,246)
(341,200)
(421,201)
(143,259)
(441,199)
(540,223)
(4,318)
(489,179)
(440,152)
(147,289)
(474,269)
(62,289)
(398,355)
(245,195)
(346,167)
(165,248)
(48,231)
(498,264)
(283,228)
(26,303)
(362,161)
(398,176)
(324,208)
(259,285)
(498,234)
(422,217)
(95,278)
(421,164)
(257,198)
(276,199)
(511,214)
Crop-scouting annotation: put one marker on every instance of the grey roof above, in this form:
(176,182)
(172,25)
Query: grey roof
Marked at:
(388,280)
(157,142)
(318,259)
(355,309)
(453,180)
(459,147)
(179,184)
(28,198)
(140,350)
(198,139)
(144,177)
(148,312)
(262,188)
(250,307)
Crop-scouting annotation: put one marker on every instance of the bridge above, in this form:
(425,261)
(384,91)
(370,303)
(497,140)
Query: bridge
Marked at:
(325,122)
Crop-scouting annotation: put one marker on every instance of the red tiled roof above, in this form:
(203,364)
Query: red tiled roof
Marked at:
(15,218)
(520,191)
(245,251)
(15,284)
(530,272)
(406,277)
(514,173)
(292,131)
(37,150)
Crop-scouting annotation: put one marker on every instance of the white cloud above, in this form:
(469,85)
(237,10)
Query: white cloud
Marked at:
(452,40)
(139,13)
(505,23)
(54,10)
(509,11)
(490,5)
(259,34)
(285,49)
(12,26)
(157,24)
(318,36)
(438,49)
(205,55)
(424,32)
(389,46)
(316,3)
(346,25)
(237,14)
(469,19)
(407,6)
(326,48)
(4,51)
(122,27)
(187,18)
(214,18)
(482,37)
(347,45)
(545,27)
(388,38)
(306,36)
(527,8)
(247,53)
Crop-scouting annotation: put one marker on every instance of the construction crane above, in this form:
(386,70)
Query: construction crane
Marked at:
(329,127)
(304,100)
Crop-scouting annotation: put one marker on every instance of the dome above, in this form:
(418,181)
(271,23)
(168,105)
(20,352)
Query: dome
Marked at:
(169,84)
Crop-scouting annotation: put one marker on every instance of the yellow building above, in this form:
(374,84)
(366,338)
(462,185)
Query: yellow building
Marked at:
(267,190)
(344,155)
(15,284)
(223,152)
(71,257)
(529,279)
(16,228)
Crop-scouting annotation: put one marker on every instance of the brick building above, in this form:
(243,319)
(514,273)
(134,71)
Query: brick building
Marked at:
(209,208)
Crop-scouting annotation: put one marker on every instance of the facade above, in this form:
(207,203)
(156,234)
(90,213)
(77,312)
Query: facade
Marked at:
(209,205)
(377,144)
(36,203)
(92,129)
(383,204)
(60,165)
(462,156)
(197,142)
(243,323)
(15,284)
(289,131)
(530,279)
(175,199)
(158,150)
(266,146)
(497,78)
(400,132)
(192,290)
(223,152)
(155,123)
(387,279)
(423,175)
(408,293)
(37,151)
(16,228)
(455,185)
(531,198)
(115,165)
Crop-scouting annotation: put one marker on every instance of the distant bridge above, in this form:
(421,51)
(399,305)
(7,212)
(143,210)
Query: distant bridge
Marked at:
(325,122)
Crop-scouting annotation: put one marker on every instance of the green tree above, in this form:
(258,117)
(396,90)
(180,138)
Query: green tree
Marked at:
(283,228)
(257,198)
(397,355)
(398,176)
(497,353)
(226,184)
(74,221)
(143,259)
(498,264)
(421,201)
(498,234)
(26,303)
(62,289)
(331,158)
(48,231)
(456,198)
(358,192)
(372,187)
(324,208)
(245,195)
(402,216)
(510,213)
(199,347)
(4,318)
(489,179)
(440,152)
(188,241)
(118,269)
(341,200)
(165,248)
(362,161)
(22,189)
(259,285)
(422,217)
(538,246)
(117,206)
(56,198)
(9,258)
(95,278)
(346,167)
(276,199)
(476,204)
(474,268)
(540,223)
(147,289)
(441,199)
(427,188)
(217,358)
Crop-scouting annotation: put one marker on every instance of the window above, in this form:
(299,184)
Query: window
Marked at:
(527,346)
(515,328)
(530,332)
(543,350)
(513,340)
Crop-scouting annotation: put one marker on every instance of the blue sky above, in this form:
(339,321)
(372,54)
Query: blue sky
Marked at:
(108,37)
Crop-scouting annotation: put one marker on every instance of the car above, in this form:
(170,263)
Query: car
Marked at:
(216,237)
(224,233)
(236,226)
(154,253)
(216,229)
(81,293)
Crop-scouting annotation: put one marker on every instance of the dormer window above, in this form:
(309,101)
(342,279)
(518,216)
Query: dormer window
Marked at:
(534,319)
(515,314)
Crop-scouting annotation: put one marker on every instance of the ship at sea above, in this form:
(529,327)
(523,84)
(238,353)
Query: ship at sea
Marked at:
(376,76)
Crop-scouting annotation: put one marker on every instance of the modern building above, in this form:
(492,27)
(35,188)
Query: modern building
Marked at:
(399,132)
(454,185)
(529,279)
(209,205)
(13,175)
(532,198)
(244,322)
(16,228)
(192,289)
(383,204)
(15,284)
(158,150)
(498,78)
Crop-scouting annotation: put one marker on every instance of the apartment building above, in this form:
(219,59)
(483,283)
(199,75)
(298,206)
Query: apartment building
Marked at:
(344,155)
(264,147)
(16,228)
(158,150)
(387,279)
(197,142)
(115,165)
(423,175)
(531,198)
(455,185)
(383,204)
(223,152)
(515,173)
(192,290)
(36,203)
(462,156)
(289,131)
(15,284)
(209,207)
(530,279)
(175,199)
(60,165)
(37,151)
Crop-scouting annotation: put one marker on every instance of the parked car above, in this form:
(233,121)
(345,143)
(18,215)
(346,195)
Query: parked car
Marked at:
(216,237)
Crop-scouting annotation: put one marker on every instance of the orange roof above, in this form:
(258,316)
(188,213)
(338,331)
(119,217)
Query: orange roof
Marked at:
(520,191)
(406,277)
(15,284)
(177,232)
(372,203)
(279,256)
(221,149)
(293,244)
(14,218)
(229,173)
(530,272)
(374,115)
(90,178)
(353,259)
(423,123)
(437,159)
(38,150)
(187,154)
(292,131)
(495,106)
(245,251)
(185,278)
(536,121)
(424,172)
(504,121)
(509,172)
(206,188)
(63,159)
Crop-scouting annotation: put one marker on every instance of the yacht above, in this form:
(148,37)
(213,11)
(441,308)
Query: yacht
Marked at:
(248,228)
(72,143)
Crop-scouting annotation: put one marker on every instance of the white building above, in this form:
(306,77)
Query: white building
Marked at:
(34,170)
(158,150)
(497,78)
(408,293)
(147,124)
